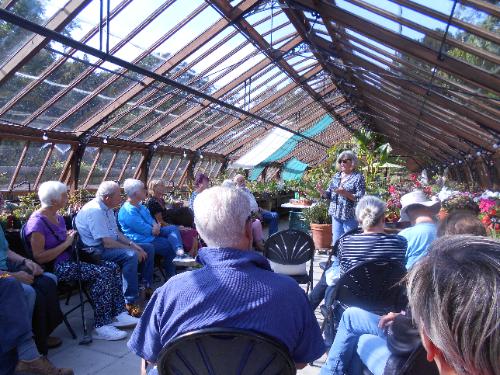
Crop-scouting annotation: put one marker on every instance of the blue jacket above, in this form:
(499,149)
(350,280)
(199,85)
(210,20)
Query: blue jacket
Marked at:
(136,222)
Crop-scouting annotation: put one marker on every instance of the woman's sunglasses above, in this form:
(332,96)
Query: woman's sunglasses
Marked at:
(344,161)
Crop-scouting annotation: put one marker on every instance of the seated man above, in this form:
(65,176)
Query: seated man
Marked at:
(235,289)
(270,217)
(421,212)
(455,300)
(96,224)
(17,348)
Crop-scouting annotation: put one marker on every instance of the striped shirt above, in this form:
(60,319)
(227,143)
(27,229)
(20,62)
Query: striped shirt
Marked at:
(361,247)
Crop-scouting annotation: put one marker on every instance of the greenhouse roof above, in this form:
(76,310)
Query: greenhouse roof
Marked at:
(130,87)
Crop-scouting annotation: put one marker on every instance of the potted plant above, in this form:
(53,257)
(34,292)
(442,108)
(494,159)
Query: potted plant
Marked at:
(320,223)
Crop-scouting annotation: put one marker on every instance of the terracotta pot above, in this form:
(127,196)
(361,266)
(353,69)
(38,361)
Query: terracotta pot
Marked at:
(442,214)
(322,235)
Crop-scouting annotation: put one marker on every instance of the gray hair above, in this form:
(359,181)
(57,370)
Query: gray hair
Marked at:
(51,191)
(132,186)
(454,295)
(369,211)
(220,214)
(106,188)
(228,183)
(347,154)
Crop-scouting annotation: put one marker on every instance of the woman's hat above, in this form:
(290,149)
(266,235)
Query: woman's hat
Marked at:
(417,198)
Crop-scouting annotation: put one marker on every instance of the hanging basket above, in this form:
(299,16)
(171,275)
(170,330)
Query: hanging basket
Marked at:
(322,235)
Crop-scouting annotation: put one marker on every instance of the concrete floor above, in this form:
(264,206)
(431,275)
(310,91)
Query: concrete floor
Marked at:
(113,357)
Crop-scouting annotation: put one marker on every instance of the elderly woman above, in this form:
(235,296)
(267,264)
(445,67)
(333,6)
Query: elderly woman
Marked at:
(51,243)
(182,217)
(372,244)
(138,225)
(201,182)
(345,189)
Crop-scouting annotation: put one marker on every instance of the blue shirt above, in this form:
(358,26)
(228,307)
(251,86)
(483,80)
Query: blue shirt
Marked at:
(96,221)
(136,222)
(419,238)
(234,289)
(4,248)
(341,207)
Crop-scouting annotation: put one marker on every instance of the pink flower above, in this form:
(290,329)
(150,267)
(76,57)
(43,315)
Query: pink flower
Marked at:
(486,204)
(392,189)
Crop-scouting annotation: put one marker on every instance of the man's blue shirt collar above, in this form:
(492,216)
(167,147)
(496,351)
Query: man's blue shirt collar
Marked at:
(227,257)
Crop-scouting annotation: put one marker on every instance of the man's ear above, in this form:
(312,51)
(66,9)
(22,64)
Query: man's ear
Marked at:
(430,348)
(248,232)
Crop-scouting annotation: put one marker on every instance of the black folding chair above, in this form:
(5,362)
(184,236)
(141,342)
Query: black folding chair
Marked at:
(225,351)
(292,247)
(373,286)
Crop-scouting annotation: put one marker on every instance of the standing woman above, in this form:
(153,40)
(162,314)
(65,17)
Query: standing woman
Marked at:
(345,189)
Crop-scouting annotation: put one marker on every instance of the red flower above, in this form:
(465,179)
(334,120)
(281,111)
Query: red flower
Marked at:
(413,177)
(486,220)
(392,189)
(418,184)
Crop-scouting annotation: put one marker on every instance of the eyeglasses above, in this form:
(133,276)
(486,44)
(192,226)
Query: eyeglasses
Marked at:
(344,161)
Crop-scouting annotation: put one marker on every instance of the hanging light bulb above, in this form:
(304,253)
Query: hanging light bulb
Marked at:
(184,155)
(105,140)
(478,152)
(45,136)
(201,156)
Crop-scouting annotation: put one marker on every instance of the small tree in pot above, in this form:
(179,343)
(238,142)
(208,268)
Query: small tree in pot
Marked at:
(320,223)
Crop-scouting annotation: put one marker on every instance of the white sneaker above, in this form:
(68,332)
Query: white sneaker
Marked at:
(109,333)
(124,320)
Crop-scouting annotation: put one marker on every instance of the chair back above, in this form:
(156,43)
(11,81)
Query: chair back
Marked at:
(289,247)
(225,351)
(373,286)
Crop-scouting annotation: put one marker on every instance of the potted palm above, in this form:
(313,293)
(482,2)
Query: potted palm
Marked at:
(320,223)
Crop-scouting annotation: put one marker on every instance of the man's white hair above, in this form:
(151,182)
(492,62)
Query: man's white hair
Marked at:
(50,192)
(132,186)
(106,188)
(228,183)
(220,214)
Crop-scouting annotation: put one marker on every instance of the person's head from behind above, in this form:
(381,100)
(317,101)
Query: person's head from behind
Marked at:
(201,182)
(461,222)
(134,189)
(454,295)
(53,194)
(108,192)
(370,212)
(222,217)
(240,181)
(416,207)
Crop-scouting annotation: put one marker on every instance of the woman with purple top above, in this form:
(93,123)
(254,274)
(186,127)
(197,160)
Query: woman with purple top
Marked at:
(51,243)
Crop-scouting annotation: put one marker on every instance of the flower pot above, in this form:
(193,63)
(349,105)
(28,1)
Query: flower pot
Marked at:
(442,214)
(322,235)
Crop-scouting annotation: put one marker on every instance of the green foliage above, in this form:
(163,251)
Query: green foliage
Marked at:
(318,213)
(27,204)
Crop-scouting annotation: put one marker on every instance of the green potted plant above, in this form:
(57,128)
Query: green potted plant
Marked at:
(320,223)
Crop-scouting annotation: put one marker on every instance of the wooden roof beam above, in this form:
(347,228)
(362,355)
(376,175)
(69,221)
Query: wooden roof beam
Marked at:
(402,43)
(167,66)
(56,23)
(221,92)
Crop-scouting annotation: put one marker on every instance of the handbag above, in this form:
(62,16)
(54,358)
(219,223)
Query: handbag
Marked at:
(90,254)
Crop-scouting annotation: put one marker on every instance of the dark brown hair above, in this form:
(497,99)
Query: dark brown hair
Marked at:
(461,222)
